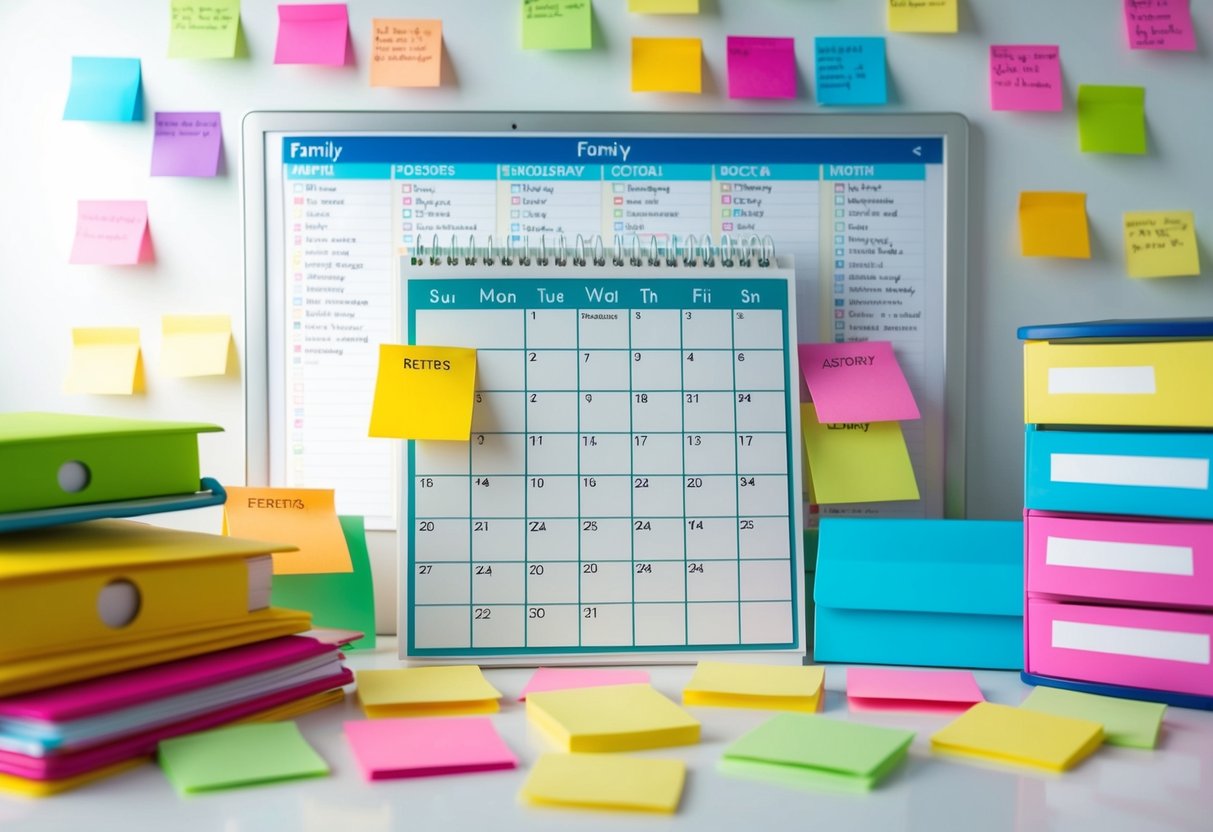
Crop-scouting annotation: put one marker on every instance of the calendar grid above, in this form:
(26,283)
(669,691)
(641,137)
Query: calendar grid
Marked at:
(736,467)
(526,494)
(631,476)
(682,444)
(580,635)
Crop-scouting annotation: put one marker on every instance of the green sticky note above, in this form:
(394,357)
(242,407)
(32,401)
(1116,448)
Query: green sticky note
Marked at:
(1125,722)
(1111,119)
(557,24)
(340,600)
(203,28)
(239,755)
(815,751)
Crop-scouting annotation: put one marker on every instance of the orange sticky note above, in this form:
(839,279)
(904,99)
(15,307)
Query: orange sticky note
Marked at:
(1053,224)
(667,65)
(303,517)
(406,53)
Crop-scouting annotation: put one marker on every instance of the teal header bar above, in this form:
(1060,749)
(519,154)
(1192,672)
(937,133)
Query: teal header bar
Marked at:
(444,170)
(540,171)
(735,172)
(874,172)
(353,170)
(694,173)
(619,295)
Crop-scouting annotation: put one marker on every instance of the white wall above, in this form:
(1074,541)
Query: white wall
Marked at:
(196,223)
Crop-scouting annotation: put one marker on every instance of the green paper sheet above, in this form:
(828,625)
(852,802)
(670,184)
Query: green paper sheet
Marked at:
(1111,119)
(1125,722)
(557,24)
(341,600)
(239,755)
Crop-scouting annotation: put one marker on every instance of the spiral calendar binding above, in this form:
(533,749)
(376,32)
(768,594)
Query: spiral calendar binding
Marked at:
(693,251)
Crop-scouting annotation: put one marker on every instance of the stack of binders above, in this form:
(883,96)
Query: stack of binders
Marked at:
(1119,509)
(117,634)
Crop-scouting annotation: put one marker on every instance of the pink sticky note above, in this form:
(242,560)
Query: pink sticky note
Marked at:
(111,233)
(762,67)
(1160,24)
(1025,78)
(427,746)
(563,678)
(186,144)
(930,691)
(312,34)
(856,382)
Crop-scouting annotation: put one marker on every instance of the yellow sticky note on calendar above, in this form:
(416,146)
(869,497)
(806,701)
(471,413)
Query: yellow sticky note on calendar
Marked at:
(424,392)
(1161,244)
(667,65)
(939,16)
(105,361)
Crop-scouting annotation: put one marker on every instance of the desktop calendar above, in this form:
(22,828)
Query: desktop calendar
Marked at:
(631,486)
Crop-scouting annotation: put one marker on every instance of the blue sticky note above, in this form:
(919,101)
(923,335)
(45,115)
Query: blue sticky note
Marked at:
(105,89)
(851,71)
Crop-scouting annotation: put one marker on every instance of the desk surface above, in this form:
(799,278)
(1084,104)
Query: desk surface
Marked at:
(1117,789)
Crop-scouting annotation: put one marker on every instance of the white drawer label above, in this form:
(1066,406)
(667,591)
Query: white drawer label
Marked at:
(1151,558)
(1106,380)
(1144,471)
(1192,648)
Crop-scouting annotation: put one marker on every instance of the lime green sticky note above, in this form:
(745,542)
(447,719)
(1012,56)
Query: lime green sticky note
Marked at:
(862,462)
(1161,244)
(340,600)
(811,750)
(557,24)
(203,28)
(239,755)
(1125,722)
(1111,119)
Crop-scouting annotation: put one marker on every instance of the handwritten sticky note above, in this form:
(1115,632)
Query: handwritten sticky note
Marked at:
(195,345)
(941,16)
(203,28)
(424,392)
(392,748)
(557,24)
(564,678)
(1111,119)
(406,53)
(105,361)
(111,233)
(1125,722)
(925,691)
(105,89)
(312,34)
(761,67)
(303,517)
(1019,736)
(616,782)
(613,718)
(1053,224)
(1160,24)
(864,462)
(238,755)
(735,685)
(1025,78)
(857,381)
(667,65)
(1161,244)
(426,691)
(663,6)
(186,144)
(851,71)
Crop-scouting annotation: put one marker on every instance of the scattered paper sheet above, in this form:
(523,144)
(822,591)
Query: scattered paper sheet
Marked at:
(186,144)
(941,16)
(303,517)
(856,382)
(1125,722)
(1160,24)
(105,89)
(1017,736)
(605,781)
(426,691)
(1111,119)
(105,361)
(761,67)
(667,65)
(195,345)
(406,53)
(663,6)
(239,755)
(851,71)
(1161,244)
(424,392)
(1025,78)
(312,34)
(427,747)
(1053,224)
(857,462)
(564,678)
(557,24)
(614,718)
(925,691)
(735,685)
(111,233)
(204,28)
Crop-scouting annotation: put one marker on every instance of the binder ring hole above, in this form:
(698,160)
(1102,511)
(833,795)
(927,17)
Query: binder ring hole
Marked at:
(74,476)
(118,603)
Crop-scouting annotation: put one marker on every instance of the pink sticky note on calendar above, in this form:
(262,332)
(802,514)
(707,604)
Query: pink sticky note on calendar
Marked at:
(312,34)
(929,691)
(387,749)
(761,67)
(564,678)
(111,233)
(856,382)
(1025,78)
(1164,25)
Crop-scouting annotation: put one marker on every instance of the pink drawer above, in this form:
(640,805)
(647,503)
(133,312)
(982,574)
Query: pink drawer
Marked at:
(1140,648)
(1118,559)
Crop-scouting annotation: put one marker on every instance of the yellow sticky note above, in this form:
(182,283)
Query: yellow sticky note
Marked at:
(195,345)
(776,687)
(424,392)
(667,65)
(923,16)
(605,781)
(1161,244)
(863,462)
(663,6)
(1053,224)
(426,691)
(614,718)
(1019,736)
(105,361)
(303,517)
(406,53)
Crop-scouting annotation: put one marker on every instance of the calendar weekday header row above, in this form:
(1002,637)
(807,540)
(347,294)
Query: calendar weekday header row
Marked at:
(615,295)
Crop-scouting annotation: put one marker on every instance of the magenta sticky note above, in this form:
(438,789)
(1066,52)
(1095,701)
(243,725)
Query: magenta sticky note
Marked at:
(564,678)
(930,691)
(186,144)
(856,382)
(1164,25)
(762,67)
(387,749)
(1025,78)
(111,233)
(312,34)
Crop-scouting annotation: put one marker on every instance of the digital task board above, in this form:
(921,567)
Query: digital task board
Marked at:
(631,485)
